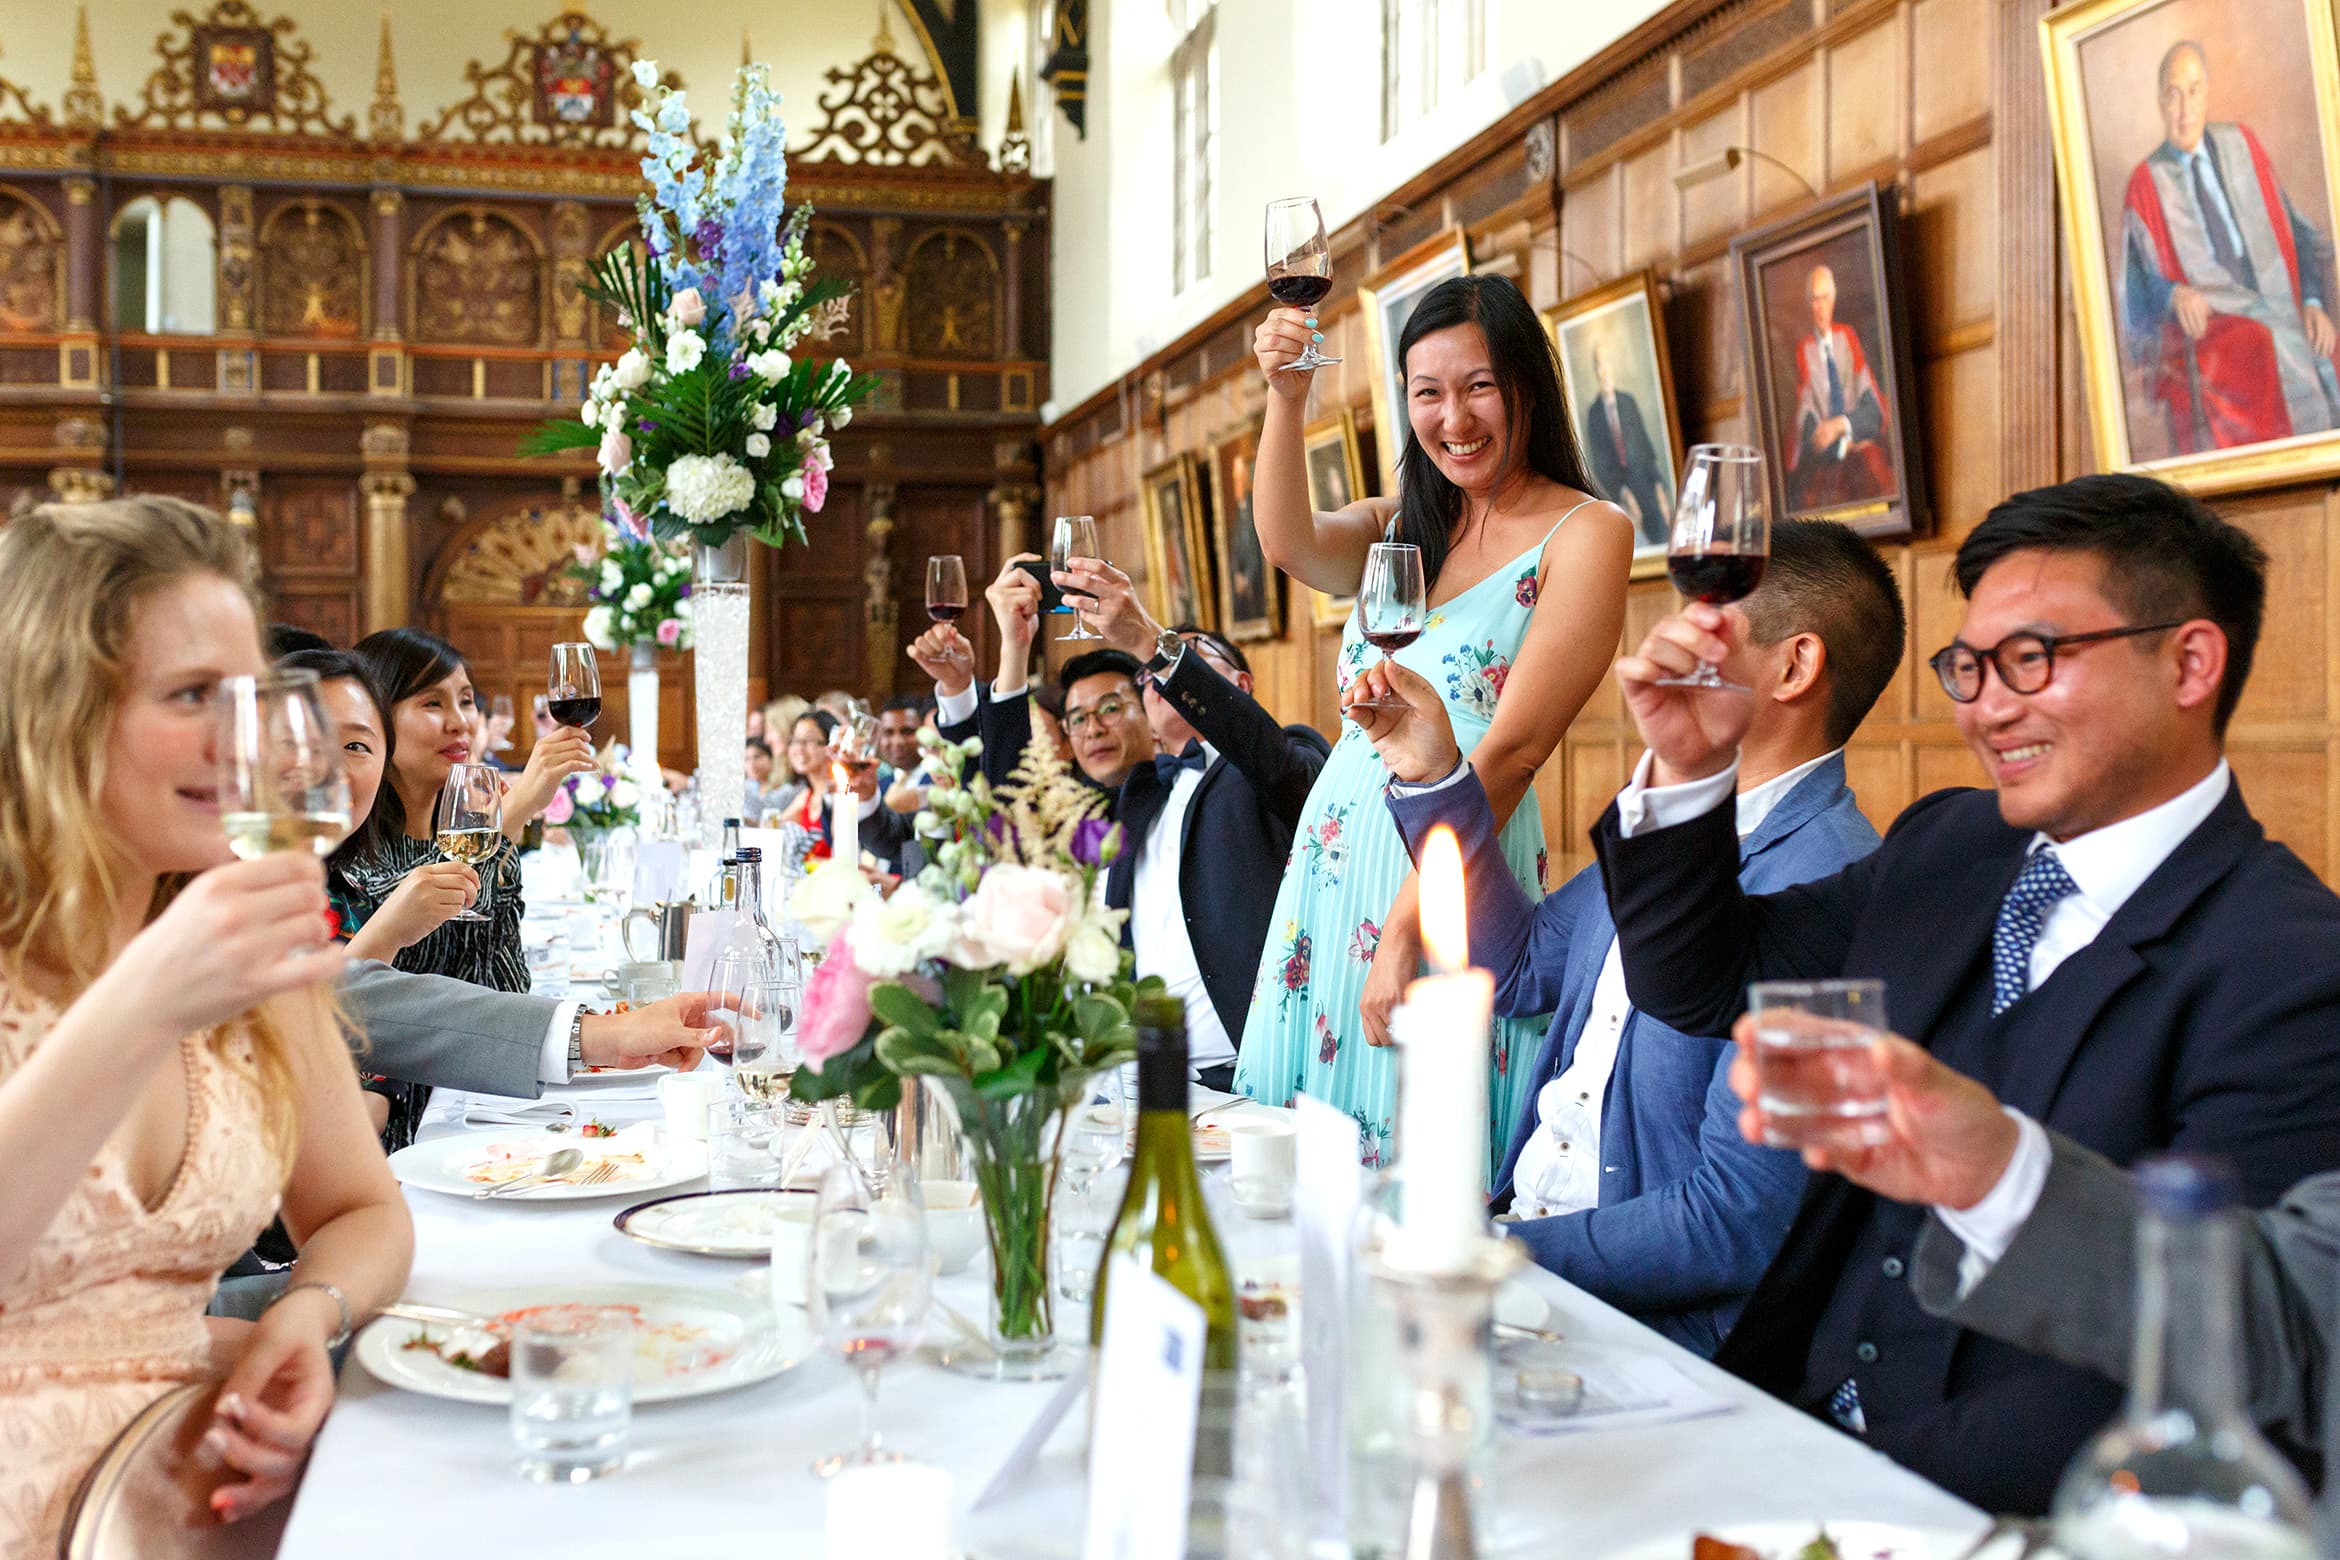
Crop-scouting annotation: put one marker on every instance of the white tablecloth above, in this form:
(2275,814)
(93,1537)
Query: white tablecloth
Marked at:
(400,1475)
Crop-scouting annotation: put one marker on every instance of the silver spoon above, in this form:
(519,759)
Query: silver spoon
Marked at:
(556,1165)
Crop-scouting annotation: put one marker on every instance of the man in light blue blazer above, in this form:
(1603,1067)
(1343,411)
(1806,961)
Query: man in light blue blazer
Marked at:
(1626,1171)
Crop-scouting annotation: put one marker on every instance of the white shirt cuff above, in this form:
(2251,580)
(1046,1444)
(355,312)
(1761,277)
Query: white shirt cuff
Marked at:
(1990,1225)
(552,1060)
(950,709)
(870,806)
(998,693)
(1453,777)
(1642,807)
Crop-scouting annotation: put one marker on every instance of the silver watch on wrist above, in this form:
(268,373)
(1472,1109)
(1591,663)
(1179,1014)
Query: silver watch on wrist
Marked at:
(577,1041)
(1167,646)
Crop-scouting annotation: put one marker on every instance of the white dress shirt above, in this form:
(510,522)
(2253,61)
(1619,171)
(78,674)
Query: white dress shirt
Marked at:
(1559,1166)
(552,1059)
(1158,931)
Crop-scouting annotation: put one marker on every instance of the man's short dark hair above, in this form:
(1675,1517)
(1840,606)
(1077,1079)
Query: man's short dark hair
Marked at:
(1824,579)
(285,638)
(1217,641)
(759,745)
(2164,555)
(1115,663)
(916,703)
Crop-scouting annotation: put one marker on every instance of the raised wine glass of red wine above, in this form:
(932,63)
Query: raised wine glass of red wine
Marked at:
(572,690)
(1393,606)
(1299,264)
(946,587)
(1721,538)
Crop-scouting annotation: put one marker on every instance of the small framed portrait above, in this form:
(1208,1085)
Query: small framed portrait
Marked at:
(1176,555)
(1388,297)
(2198,166)
(1336,479)
(1251,595)
(1829,386)
(1620,384)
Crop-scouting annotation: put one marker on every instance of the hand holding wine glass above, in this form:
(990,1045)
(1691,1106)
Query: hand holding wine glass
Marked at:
(1392,606)
(1076,537)
(280,780)
(1721,537)
(871,1280)
(1299,271)
(470,825)
(946,587)
(572,690)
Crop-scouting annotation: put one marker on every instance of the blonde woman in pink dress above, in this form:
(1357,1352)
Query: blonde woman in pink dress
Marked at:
(170,1069)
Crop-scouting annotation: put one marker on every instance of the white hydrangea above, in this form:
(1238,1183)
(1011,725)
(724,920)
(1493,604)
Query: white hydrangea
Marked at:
(702,489)
(771,366)
(759,445)
(763,416)
(611,575)
(683,350)
(632,371)
(597,628)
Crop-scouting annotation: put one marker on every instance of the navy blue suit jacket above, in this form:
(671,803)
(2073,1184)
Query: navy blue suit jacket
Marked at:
(1690,1213)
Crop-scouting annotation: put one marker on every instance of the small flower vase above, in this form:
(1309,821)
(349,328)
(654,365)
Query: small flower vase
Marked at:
(1012,1145)
(642,704)
(719,656)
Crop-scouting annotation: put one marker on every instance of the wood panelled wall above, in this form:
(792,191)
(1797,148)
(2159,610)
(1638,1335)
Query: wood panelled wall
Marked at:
(1939,99)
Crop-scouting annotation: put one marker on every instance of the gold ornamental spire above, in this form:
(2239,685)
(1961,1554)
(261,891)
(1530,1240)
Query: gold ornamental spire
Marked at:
(884,42)
(387,119)
(85,109)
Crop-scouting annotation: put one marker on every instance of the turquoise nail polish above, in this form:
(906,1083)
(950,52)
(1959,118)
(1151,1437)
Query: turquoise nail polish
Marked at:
(1310,323)
(1316,335)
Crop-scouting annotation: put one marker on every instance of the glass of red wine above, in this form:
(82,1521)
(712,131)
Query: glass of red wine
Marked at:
(1299,264)
(572,691)
(946,587)
(1721,538)
(1076,537)
(1393,606)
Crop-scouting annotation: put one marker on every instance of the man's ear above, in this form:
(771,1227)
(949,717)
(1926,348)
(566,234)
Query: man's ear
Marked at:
(1243,681)
(1806,661)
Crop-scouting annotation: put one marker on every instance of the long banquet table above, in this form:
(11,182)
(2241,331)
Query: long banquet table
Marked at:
(395,1474)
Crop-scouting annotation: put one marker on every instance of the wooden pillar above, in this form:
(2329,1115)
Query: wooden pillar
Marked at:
(386,486)
(78,363)
(386,360)
(2030,249)
(1011,332)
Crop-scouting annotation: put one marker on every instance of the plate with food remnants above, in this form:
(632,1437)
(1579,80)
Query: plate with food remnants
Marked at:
(1811,1541)
(687,1342)
(622,1163)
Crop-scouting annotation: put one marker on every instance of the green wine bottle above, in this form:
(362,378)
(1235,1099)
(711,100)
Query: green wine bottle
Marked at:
(1165,1225)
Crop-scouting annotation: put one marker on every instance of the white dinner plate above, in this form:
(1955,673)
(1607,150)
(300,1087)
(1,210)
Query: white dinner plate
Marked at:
(450,1164)
(1785,1540)
(713,1224)
(590,1077)
(693,1341)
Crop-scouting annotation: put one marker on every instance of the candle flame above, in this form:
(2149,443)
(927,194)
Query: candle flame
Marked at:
(1446,937)
(837,777)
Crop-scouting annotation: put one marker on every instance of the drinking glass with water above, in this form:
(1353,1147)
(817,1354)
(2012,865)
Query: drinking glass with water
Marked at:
(572,1392)
(1818,1083)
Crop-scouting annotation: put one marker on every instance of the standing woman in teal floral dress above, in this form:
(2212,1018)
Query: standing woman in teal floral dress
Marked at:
(1526,575)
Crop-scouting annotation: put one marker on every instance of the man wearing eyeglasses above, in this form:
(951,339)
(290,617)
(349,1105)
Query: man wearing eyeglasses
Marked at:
(2108,941)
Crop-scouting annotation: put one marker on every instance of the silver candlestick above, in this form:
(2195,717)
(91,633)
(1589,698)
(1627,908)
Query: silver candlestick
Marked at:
(1443,1340)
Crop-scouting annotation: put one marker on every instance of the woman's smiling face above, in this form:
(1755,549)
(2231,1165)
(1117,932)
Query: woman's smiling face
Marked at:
(1455,404)
(434,731)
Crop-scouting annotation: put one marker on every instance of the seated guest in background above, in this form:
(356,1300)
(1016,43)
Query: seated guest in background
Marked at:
(780,717)
(425,684)
(760,783)
(898,721)
(837,703)
(2110,941)
(1625,1169)
(285,639)
(170,1073)
(809,804)
(1205,827)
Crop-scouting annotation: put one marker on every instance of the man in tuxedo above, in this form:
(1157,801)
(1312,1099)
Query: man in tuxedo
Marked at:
(2109,941)
(1207,826)
(1625,1170)
(1624,460)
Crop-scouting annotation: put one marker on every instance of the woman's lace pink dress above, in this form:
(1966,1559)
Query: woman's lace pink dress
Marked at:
(109,1313)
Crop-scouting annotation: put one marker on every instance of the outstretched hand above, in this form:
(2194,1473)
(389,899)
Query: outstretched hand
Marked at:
(1690,732)
(1404,717)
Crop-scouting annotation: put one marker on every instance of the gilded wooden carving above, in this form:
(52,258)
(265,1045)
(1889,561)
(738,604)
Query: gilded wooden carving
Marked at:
(477,278)
(238,251)
(32,266)
(836,254)
(568,84)
(17,108)
(883,110)
(522,557)
(885,282)
(572,311)
(233,67)
(953,292)
(313,271)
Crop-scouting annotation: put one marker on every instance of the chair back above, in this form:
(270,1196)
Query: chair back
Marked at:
(148,1495)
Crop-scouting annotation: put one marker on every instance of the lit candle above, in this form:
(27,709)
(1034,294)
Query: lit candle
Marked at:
(1443,1031)
(844,815)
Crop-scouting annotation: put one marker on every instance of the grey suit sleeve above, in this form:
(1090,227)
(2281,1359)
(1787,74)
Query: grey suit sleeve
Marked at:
(446,1033)
(2067,1285)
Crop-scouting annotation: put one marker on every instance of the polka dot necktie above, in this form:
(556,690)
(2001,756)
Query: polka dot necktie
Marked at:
(2037,889)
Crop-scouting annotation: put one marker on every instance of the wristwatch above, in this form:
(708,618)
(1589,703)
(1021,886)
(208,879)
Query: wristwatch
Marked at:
(577,1041)
(1167,647)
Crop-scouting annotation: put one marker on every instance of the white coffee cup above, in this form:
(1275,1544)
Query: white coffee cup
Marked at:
(1261,1154)
(685,1098)
(954,1222)
(792,1252)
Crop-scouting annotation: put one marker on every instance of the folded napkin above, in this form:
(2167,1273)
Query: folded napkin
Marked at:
(516,1113)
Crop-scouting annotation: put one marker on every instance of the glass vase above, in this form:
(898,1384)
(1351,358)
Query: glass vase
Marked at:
(1012,1146)
(719,657)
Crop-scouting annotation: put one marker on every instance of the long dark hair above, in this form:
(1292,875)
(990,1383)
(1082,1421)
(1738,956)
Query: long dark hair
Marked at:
(1430,508)
(333,665)
(398,664)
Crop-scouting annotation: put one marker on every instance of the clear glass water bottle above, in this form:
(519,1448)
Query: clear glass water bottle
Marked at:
(2183,1472)
(746,869)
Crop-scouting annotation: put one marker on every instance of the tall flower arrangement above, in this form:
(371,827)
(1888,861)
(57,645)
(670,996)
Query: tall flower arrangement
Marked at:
(712,422)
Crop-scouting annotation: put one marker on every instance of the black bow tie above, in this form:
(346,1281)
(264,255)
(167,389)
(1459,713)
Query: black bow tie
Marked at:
(1166,767)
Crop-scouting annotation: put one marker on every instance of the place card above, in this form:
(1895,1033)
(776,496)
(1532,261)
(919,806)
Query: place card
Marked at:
(708,932)
(1142,1420)
(1330,1190)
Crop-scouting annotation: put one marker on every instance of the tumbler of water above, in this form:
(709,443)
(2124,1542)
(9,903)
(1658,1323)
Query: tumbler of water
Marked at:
(572,1392)
(1818,1083)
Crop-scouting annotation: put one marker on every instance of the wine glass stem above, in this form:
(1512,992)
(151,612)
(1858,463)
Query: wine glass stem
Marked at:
(870,1445)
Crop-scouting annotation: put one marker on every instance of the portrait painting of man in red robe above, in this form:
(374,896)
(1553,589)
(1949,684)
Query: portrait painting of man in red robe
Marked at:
(1836,454)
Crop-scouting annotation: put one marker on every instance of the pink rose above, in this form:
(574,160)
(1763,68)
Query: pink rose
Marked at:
(687,308)
(670,632)
(617,451)
(562,808)
(816,487)
(836,1004)
(1020,916)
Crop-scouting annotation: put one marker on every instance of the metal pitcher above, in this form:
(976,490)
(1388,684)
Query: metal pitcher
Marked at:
(670,928)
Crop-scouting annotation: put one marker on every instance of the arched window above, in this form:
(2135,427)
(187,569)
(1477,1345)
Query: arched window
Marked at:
(166,268)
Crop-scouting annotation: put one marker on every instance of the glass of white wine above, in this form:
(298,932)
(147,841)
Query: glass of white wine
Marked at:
(280,780)
(764,1057)
(470,825)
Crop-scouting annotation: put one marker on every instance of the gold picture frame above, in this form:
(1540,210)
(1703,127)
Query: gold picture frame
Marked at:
(1251,591)
(2144,372)
(1177,558)
(1621,325)
(1336,479)
(1387,298)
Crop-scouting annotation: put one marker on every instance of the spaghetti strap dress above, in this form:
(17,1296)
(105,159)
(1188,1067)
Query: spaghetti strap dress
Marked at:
(1303,1034)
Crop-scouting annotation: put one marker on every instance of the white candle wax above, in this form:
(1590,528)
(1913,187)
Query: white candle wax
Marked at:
(1443,1033)
(901,1511)
(844,817)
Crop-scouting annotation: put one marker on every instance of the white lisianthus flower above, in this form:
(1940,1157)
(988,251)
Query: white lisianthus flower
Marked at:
(771,365)
(828,896)
(632,371)
(1091,955)
(838,369)
(683,350)
(806,439)
(760,332)
(639,596)
(705,488)
(597,628)
(624,794)
(590,414)
(682,609)
(893,936)
(759,445)
(841,416)
(793,489)
(763,416)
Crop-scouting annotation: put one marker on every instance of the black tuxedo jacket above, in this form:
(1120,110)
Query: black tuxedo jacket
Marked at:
(2205,1016)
